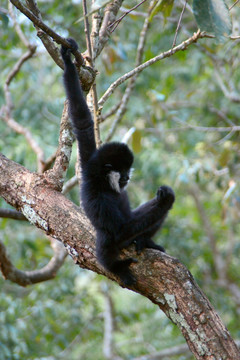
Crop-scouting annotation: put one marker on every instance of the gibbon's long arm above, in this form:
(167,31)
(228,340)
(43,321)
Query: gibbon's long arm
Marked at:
(147,217)
(78,109)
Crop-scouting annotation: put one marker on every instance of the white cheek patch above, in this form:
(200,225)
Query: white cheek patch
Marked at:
(114,178)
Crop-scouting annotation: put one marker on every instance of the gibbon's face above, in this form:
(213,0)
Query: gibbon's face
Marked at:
(118,179)
(115,160)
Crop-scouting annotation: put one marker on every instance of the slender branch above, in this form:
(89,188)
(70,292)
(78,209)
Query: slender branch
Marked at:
(110,14)
(47,41)
(97,18)
(230,8)
(141,43)
(40,24)
(206,128)
(87,33)
(111,112)
(12,214)
(93,89)
(17,27)
(7,109)
(230,94)
(28,54)
(70,184)
(166,353)
(179,23)
(183,46)
(115,24)
(25,278)
(29,138)
(63,154)
(108,342)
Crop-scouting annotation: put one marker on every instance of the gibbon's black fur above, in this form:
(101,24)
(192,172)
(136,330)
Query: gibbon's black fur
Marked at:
(105,174)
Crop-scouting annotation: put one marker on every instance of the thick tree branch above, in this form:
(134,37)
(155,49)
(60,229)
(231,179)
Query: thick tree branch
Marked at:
(161,278)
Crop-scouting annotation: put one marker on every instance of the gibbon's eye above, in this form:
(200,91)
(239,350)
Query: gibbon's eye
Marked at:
(108,166)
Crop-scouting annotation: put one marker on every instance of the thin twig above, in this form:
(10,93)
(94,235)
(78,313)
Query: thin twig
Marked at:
(230,8)
(183,46)
(87,33)
(110,14)
(111,112)
(69,184)
(117,22)
(179,23)
(28,136)
(17,27)
(7,110)
(132,82)
(93,89)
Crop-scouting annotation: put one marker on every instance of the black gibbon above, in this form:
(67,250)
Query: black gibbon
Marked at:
(105,175)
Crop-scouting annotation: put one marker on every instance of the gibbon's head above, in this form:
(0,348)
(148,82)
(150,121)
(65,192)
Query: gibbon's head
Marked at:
(115,160)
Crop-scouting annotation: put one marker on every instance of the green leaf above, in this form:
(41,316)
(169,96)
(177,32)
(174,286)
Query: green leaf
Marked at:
(136,141)
(163,6)
(213,16)
(4,19)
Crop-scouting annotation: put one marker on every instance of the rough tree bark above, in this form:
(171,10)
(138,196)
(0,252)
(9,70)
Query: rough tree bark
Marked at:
(161,278)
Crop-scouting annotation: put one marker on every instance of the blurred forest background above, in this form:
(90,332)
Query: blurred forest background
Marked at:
(184,115)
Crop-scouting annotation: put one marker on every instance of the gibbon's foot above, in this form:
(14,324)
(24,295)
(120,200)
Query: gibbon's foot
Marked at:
(124,273)
(165,196)
(150,244)
(66,52)
(142,244)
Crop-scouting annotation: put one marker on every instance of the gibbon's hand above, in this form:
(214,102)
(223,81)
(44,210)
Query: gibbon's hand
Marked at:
(165,196)
(66,52)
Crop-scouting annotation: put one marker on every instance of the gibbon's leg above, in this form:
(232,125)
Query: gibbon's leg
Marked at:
(145,240)
(107,255)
